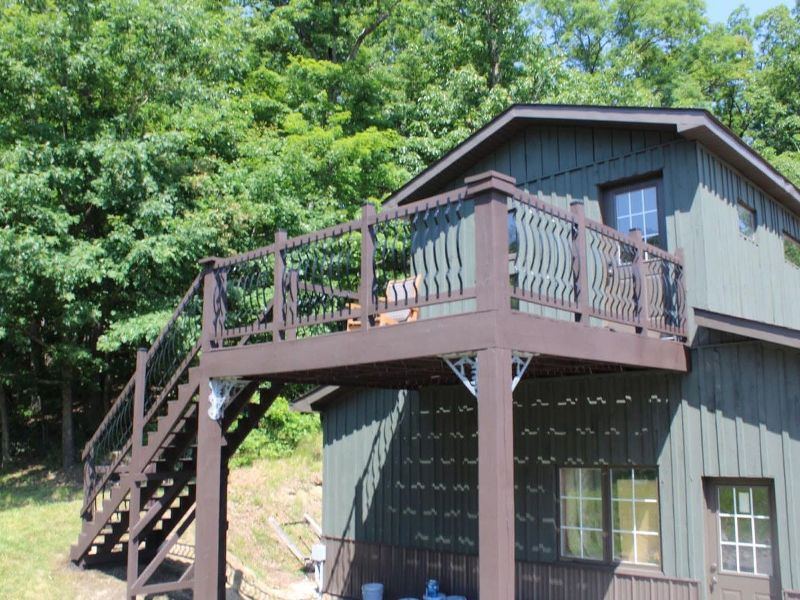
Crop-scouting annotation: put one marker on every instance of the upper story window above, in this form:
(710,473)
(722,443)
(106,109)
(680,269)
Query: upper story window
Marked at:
(747,220)
(610,515)
(636,206)
(791,249)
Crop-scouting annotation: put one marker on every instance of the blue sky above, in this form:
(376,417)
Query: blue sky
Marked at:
(718,10)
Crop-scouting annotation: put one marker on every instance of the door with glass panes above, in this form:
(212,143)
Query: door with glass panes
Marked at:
(741,555)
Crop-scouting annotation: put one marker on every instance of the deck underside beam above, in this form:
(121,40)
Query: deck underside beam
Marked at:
(468,332)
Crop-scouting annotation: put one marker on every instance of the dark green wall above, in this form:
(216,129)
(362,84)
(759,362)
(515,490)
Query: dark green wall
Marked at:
(401,467)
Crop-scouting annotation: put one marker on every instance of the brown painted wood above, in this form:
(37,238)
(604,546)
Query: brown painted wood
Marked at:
(211,520)
(278,316)
(641,283)
(495,474)
(404,571)
(467,332)
(136,452)
(365,294)
(582,295)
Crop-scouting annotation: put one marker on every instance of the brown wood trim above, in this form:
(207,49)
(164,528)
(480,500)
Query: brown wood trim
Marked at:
(465,332)
(405,570)
(541,300)
(757,330)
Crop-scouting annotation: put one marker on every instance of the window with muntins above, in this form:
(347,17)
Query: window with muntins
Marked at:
(582,513)
(635,521)
(636,206)
(745,530)
(610,514)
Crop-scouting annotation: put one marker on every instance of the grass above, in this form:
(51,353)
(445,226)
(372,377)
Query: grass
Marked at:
(39,520)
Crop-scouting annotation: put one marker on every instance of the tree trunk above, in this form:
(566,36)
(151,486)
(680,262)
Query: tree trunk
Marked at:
(5,435)
(67,433)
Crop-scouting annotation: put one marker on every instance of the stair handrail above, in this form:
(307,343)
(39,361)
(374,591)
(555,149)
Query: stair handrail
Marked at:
(198,280)
(124,401)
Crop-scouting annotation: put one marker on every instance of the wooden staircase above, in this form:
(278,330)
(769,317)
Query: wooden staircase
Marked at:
(156,472)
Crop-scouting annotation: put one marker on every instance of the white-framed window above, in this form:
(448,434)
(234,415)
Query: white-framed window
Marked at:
(635,516)
(745,529)
(610,515)
(582,513)
(747,220)
(636,206)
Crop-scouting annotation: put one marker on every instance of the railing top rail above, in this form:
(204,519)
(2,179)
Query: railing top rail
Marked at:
(195,285)
(332,231)
(235,259)
(439,200)
(539,202)
(153,348)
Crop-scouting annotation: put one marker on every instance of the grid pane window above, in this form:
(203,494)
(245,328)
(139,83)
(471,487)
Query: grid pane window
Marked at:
(635,516)
(638,209)
(745,530)
(747,220)
(582,513)
(610,514)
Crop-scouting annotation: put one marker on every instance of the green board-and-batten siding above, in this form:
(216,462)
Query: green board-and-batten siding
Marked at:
(726,273)
(400,467)
(744,277)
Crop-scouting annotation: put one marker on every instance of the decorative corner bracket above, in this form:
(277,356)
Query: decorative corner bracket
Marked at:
(519,364)
(465,366)
(222,392)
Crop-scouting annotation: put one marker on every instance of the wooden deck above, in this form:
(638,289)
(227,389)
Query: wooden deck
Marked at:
(491,266)
(488,272)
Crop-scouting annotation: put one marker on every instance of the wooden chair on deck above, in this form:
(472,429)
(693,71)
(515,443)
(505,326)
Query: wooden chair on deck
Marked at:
(398,291)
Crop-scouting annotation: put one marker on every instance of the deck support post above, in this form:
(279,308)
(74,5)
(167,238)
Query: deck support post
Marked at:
(496,566)
(135,504)
(211,507)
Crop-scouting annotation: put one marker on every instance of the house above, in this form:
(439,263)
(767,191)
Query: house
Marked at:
(561,362)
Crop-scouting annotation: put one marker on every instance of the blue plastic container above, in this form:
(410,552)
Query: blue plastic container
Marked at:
(372,591)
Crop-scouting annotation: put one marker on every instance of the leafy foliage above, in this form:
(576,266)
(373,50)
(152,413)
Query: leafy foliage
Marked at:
(278,434)
(137,137)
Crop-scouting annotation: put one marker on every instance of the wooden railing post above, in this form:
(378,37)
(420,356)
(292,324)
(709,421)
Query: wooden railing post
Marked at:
(642,303)
(291,310)
(278,313)
(683,304)
(581,262)
(211,319)
(492,283)
(365,290)
(134,469)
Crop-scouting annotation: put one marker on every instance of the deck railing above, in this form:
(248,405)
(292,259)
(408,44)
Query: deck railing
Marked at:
(424,253)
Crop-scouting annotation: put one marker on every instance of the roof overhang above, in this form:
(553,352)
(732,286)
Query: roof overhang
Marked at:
(756,330)
(691,124)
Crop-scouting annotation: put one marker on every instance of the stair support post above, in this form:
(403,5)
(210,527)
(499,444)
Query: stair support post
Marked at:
(134,510)
(211,522)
